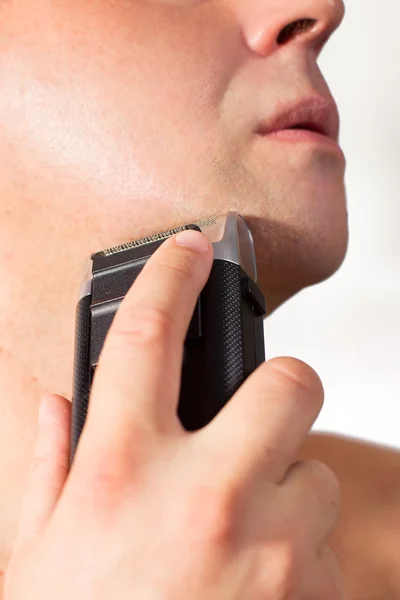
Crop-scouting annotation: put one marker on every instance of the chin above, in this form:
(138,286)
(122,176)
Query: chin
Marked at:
(289,259)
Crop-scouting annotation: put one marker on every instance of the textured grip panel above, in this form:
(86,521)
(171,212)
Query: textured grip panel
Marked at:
(226,345)
(232,328)
(214,366)
(81,377)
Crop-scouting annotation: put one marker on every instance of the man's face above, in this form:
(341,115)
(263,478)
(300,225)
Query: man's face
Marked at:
(112,109)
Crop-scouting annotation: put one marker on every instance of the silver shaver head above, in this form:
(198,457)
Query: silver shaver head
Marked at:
(228,233)
(232,240)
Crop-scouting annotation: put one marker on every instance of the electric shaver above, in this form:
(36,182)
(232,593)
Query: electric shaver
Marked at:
(225,339)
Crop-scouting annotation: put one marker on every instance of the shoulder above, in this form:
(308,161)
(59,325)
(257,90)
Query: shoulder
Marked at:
(370,490)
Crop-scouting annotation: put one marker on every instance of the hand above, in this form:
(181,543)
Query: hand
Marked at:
(153,512)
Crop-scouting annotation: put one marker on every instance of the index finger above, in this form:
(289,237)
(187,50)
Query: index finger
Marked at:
(137,379)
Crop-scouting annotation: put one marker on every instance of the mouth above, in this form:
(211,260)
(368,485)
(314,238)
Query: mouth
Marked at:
(315,115)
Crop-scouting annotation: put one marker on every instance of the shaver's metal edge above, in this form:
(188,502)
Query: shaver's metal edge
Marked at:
(236,246)
(86,287)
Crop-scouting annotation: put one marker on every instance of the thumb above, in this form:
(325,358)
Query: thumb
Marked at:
(48,469)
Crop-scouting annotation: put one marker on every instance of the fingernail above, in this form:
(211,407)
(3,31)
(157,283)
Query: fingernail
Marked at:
(192,239)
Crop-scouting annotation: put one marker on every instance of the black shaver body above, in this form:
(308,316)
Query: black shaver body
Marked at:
(225,339)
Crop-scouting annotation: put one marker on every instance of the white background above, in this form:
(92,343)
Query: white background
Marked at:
(348,328)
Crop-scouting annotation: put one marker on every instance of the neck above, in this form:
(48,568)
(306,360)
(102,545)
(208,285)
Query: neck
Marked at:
(40,280)
(39,289)
(42,261)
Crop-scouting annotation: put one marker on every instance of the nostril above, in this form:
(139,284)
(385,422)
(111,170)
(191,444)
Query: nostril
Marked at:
(294,28)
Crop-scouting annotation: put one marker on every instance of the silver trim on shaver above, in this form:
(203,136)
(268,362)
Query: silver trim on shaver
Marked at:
(232,241)
(229,234)
(86,287)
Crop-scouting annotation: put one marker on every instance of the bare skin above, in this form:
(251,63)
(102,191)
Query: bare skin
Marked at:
(366,535)
(152,511)
(121,119)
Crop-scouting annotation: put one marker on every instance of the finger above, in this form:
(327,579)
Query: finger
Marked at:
(265,422)
(138,376)
(309,501)
(325,580)
(48,469)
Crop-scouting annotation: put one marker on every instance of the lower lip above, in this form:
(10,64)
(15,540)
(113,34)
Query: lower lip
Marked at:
(304,135)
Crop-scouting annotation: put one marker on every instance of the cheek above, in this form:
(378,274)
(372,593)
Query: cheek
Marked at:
(112,104)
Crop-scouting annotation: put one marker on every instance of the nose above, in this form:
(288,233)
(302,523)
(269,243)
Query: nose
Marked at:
(269,24)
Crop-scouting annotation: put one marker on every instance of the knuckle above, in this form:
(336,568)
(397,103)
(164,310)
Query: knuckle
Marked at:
(286,572)
(299,380)
(182,265)
(326,483)
(101,480)
(144,326)
(211,516)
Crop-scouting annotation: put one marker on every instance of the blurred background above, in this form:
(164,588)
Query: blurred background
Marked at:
(348,328)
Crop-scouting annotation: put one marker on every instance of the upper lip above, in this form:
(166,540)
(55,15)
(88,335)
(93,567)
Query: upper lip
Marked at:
(315,114)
